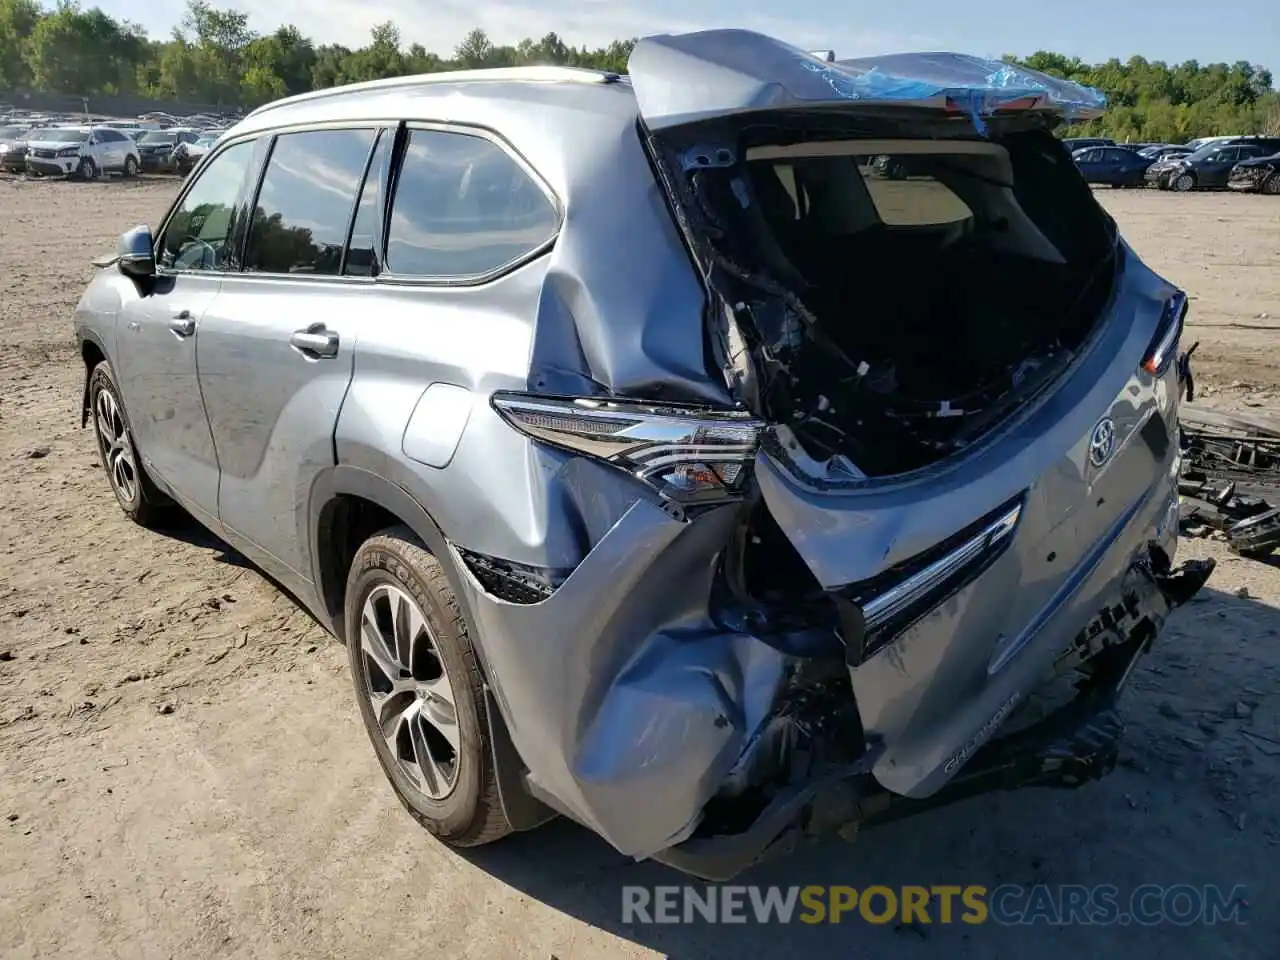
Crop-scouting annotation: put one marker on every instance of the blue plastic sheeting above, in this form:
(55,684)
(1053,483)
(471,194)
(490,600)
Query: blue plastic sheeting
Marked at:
(714,74)
(976,84)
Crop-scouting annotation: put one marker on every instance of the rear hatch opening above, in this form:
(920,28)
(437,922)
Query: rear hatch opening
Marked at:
(892,285)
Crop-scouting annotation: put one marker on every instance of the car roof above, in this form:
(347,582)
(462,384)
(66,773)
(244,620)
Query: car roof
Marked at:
(405,96)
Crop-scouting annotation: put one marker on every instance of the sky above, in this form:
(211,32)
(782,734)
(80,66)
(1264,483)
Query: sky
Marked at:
(1094,30)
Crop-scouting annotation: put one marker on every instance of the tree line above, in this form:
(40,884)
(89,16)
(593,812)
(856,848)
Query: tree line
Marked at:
(213,57)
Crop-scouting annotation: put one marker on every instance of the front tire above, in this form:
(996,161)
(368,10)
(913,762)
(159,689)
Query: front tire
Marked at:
(419,689)
(1183,183)
(87,170)
(136,494)
(1272,186)
(130,167)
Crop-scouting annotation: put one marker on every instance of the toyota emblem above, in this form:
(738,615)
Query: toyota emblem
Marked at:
(1102,442)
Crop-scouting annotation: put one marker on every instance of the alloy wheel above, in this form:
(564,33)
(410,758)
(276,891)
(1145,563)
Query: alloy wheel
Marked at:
(409,689)
(1184,183)
(1272,186)
(117,446)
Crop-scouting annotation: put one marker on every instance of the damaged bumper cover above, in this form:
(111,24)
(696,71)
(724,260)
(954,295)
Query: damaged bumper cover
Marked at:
(631,702)
(1076,743)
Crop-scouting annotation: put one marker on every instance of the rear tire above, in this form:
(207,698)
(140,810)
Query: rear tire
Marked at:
(402,618)
(138,497)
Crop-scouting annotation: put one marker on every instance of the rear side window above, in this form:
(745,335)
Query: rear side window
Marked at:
(304,205)
(463,208)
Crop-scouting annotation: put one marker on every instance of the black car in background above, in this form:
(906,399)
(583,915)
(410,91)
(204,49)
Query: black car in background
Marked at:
(1113,166)
(1257,175)
(155,147)
(1209,168)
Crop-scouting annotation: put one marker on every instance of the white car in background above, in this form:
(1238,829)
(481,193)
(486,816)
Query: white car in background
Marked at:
(187,155)
(85,152)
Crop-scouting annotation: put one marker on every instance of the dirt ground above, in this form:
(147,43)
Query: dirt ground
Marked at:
(182,771)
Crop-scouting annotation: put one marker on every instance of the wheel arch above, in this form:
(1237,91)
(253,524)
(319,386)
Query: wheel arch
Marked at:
(348,504)
(92,352)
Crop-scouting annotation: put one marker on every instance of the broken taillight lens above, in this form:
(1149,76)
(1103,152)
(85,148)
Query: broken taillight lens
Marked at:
(687,454)
(1164,345)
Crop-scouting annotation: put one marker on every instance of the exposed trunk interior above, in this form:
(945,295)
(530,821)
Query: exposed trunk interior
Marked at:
(900,284)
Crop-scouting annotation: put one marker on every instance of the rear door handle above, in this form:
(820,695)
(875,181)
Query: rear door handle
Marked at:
(315,341)
(183,323)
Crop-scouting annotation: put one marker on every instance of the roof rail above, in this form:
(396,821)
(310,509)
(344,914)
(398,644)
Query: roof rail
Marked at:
(548,74)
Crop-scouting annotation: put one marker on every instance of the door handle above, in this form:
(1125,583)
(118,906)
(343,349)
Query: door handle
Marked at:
(183,323)
(315,341)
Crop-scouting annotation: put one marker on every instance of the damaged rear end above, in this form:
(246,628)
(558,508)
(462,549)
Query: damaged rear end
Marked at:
(950,477)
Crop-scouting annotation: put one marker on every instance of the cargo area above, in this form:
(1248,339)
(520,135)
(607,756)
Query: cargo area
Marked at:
(899,295)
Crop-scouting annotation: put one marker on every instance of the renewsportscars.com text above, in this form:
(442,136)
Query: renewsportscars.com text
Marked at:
(1008,904)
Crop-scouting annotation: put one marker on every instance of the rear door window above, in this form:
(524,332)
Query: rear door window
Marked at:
(304,206)
(362,251)
(464,208)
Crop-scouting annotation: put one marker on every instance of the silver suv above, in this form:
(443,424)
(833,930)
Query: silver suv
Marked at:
(660,463)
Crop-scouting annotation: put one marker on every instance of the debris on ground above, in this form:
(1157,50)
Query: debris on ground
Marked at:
(1230,479)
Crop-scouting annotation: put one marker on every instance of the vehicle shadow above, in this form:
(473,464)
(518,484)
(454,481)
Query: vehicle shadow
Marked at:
(1159,818)
(181,526)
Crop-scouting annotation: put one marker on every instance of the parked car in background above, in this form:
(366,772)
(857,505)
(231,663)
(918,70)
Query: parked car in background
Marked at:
(187,154)
(1200,142)
(13,147)
(645,546)
(1080,143)
(1209,167)
(1257,175)
(1113,166)
(156,148)
(84,152)
(1162,150)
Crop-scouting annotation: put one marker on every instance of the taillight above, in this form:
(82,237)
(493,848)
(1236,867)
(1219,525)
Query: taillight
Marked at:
(689,455)
(1164,345)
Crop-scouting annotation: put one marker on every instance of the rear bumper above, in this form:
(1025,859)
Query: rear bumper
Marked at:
(931,745)
(1073,745)
(157,164)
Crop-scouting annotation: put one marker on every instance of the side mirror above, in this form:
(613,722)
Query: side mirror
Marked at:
(135,255)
